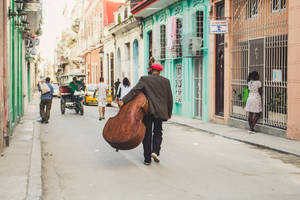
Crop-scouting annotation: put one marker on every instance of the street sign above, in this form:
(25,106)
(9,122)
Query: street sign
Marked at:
(218,26)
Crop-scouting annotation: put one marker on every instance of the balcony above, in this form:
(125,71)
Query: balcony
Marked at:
(145,8)
(33,9)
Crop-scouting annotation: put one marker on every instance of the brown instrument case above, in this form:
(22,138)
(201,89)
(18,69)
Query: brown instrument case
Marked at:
(126,130)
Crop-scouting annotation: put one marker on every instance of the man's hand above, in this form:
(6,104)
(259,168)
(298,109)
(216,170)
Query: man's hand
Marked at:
(121,104)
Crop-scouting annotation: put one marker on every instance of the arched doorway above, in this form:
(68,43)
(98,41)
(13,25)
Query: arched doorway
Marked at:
(135,62)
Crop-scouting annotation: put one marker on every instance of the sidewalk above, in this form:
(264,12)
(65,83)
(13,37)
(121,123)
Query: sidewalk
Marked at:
(258,139)
(20,165)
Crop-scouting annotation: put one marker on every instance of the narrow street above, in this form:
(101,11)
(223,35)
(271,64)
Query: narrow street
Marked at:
(79,164)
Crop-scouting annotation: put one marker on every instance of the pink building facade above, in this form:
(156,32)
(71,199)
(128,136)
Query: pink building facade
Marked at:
(293,118)
(97,14)
(262,36)
(3,71)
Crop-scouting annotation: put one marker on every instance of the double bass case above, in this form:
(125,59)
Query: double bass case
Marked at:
(126,130)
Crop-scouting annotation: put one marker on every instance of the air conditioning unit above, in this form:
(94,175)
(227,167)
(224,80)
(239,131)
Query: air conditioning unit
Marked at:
(195,43)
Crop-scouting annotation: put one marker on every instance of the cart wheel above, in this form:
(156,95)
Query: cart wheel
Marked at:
(62,107)
(6,138)
(81,110)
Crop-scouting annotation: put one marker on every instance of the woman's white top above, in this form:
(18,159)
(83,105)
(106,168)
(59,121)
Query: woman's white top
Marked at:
(124,91)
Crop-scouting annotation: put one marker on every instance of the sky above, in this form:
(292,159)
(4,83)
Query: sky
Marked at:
(53,26)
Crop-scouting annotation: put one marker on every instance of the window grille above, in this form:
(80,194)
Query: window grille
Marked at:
(199,32)
(260,44)
(174,36)
(199,23)
(278,5)
(178,83)
(163,41)
(252,8)
(150,43)
(178,38)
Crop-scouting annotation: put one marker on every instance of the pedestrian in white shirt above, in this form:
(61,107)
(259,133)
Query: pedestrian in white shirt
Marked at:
(102,90)
(123,89)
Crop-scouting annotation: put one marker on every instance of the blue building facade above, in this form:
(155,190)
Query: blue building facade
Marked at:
(177,37)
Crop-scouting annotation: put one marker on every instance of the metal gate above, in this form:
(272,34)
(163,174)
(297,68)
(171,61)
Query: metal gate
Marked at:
(198,87)
(260,43)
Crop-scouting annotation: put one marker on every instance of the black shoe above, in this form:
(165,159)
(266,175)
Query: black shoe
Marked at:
(100,118)
(147,163)
(46,122)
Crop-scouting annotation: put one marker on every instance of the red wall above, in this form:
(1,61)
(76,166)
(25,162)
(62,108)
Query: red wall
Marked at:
(109,7)
(91,59)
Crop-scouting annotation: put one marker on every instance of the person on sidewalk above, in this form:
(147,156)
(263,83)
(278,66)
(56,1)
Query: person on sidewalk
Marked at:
(102,90)
(254,104)
(46,100)
(116,85)
(123,89)
(158,91)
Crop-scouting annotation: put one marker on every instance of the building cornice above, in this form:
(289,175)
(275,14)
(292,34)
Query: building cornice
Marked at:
(142,5)
(125,26)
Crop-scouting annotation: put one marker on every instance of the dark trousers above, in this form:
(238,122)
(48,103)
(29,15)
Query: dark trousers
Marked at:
(152,144)
(45,114)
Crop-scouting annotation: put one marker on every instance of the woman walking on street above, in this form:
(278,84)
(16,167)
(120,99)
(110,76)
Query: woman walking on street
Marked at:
(123,89)
(254,104)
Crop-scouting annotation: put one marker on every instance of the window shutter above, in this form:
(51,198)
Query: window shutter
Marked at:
(171,33)
(156,41)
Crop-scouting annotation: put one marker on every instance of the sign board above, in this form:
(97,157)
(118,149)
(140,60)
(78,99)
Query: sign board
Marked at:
(218,26)
(277,75)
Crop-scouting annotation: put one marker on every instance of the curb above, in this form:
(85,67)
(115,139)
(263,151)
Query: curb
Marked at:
(239,140)
(34,188)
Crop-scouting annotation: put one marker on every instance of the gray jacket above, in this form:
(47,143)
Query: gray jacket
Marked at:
(157,90)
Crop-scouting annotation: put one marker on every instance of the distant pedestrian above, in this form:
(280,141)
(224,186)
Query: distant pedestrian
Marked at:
(123,89)
(46,100)
(254,104)
(102,90)
(116,85)
(157,90)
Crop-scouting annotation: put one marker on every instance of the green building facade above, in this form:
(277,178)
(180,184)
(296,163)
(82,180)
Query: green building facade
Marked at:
(15,76)
(178,37)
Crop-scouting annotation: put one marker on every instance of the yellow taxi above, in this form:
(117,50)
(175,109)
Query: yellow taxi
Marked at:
(89,92)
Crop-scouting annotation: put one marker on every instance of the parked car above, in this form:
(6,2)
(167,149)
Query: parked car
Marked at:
(56,92)
(89,92)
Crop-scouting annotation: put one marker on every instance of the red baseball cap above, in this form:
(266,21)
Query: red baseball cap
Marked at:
(157,66)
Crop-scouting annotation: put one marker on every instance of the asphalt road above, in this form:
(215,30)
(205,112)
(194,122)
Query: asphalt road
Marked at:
(79,164)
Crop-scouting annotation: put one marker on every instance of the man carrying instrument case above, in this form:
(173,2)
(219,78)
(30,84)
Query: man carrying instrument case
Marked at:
(158,92)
